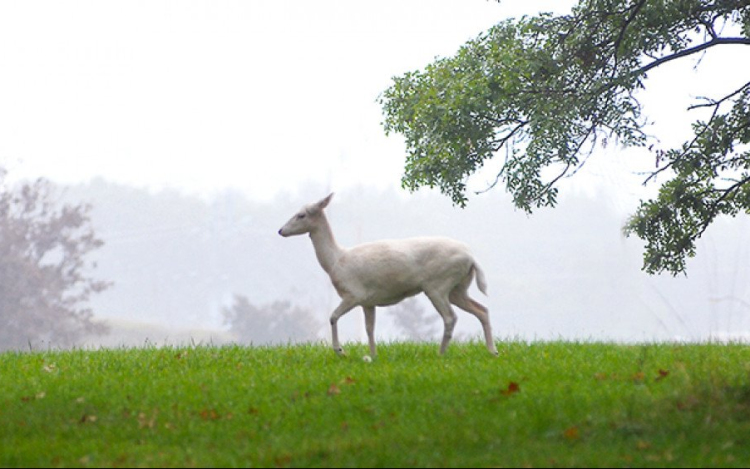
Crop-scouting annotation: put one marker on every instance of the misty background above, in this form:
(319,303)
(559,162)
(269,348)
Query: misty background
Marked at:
(178,262)
(196,129)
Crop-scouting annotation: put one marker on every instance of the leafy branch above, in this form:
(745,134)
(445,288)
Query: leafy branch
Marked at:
(541,89)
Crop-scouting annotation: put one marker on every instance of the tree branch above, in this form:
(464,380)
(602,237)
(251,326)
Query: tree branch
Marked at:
(725,194)
(625,26)
(693,50)
(716,104)
(498,144)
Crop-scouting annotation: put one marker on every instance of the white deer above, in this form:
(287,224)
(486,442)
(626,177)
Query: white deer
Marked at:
(383,273)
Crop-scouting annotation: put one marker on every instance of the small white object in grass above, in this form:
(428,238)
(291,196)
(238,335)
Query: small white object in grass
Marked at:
(367,359)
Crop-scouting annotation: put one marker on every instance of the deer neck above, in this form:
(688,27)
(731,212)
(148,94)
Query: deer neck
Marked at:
(326,248)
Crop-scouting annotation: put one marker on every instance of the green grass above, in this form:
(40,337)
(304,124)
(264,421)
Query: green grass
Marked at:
(538,405)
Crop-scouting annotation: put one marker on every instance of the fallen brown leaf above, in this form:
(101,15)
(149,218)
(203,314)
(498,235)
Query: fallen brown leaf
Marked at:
(513,388)
(209,414)
(572,434)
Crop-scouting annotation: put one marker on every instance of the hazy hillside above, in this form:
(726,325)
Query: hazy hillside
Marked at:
(562,273)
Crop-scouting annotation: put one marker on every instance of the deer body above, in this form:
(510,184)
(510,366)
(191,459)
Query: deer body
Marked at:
(383,273)
(386,272)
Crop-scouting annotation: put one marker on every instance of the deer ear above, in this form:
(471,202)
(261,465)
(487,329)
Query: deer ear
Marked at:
(324,203)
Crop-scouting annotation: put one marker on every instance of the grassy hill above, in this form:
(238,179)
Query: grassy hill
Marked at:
(538,405)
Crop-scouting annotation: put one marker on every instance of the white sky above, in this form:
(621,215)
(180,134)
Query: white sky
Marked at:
(259,96)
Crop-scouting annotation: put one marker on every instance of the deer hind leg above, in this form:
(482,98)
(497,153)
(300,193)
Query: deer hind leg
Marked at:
(370,327)
(460,297)
(443,306)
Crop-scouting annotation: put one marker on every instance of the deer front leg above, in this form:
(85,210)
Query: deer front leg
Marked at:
(341,310)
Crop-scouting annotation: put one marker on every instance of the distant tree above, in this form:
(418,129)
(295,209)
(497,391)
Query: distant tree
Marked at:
(44,282)
(542,93)
(415,321)
(276,323)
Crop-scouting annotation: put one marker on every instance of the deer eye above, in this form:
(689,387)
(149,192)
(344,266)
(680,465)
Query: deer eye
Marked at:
(301,216)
